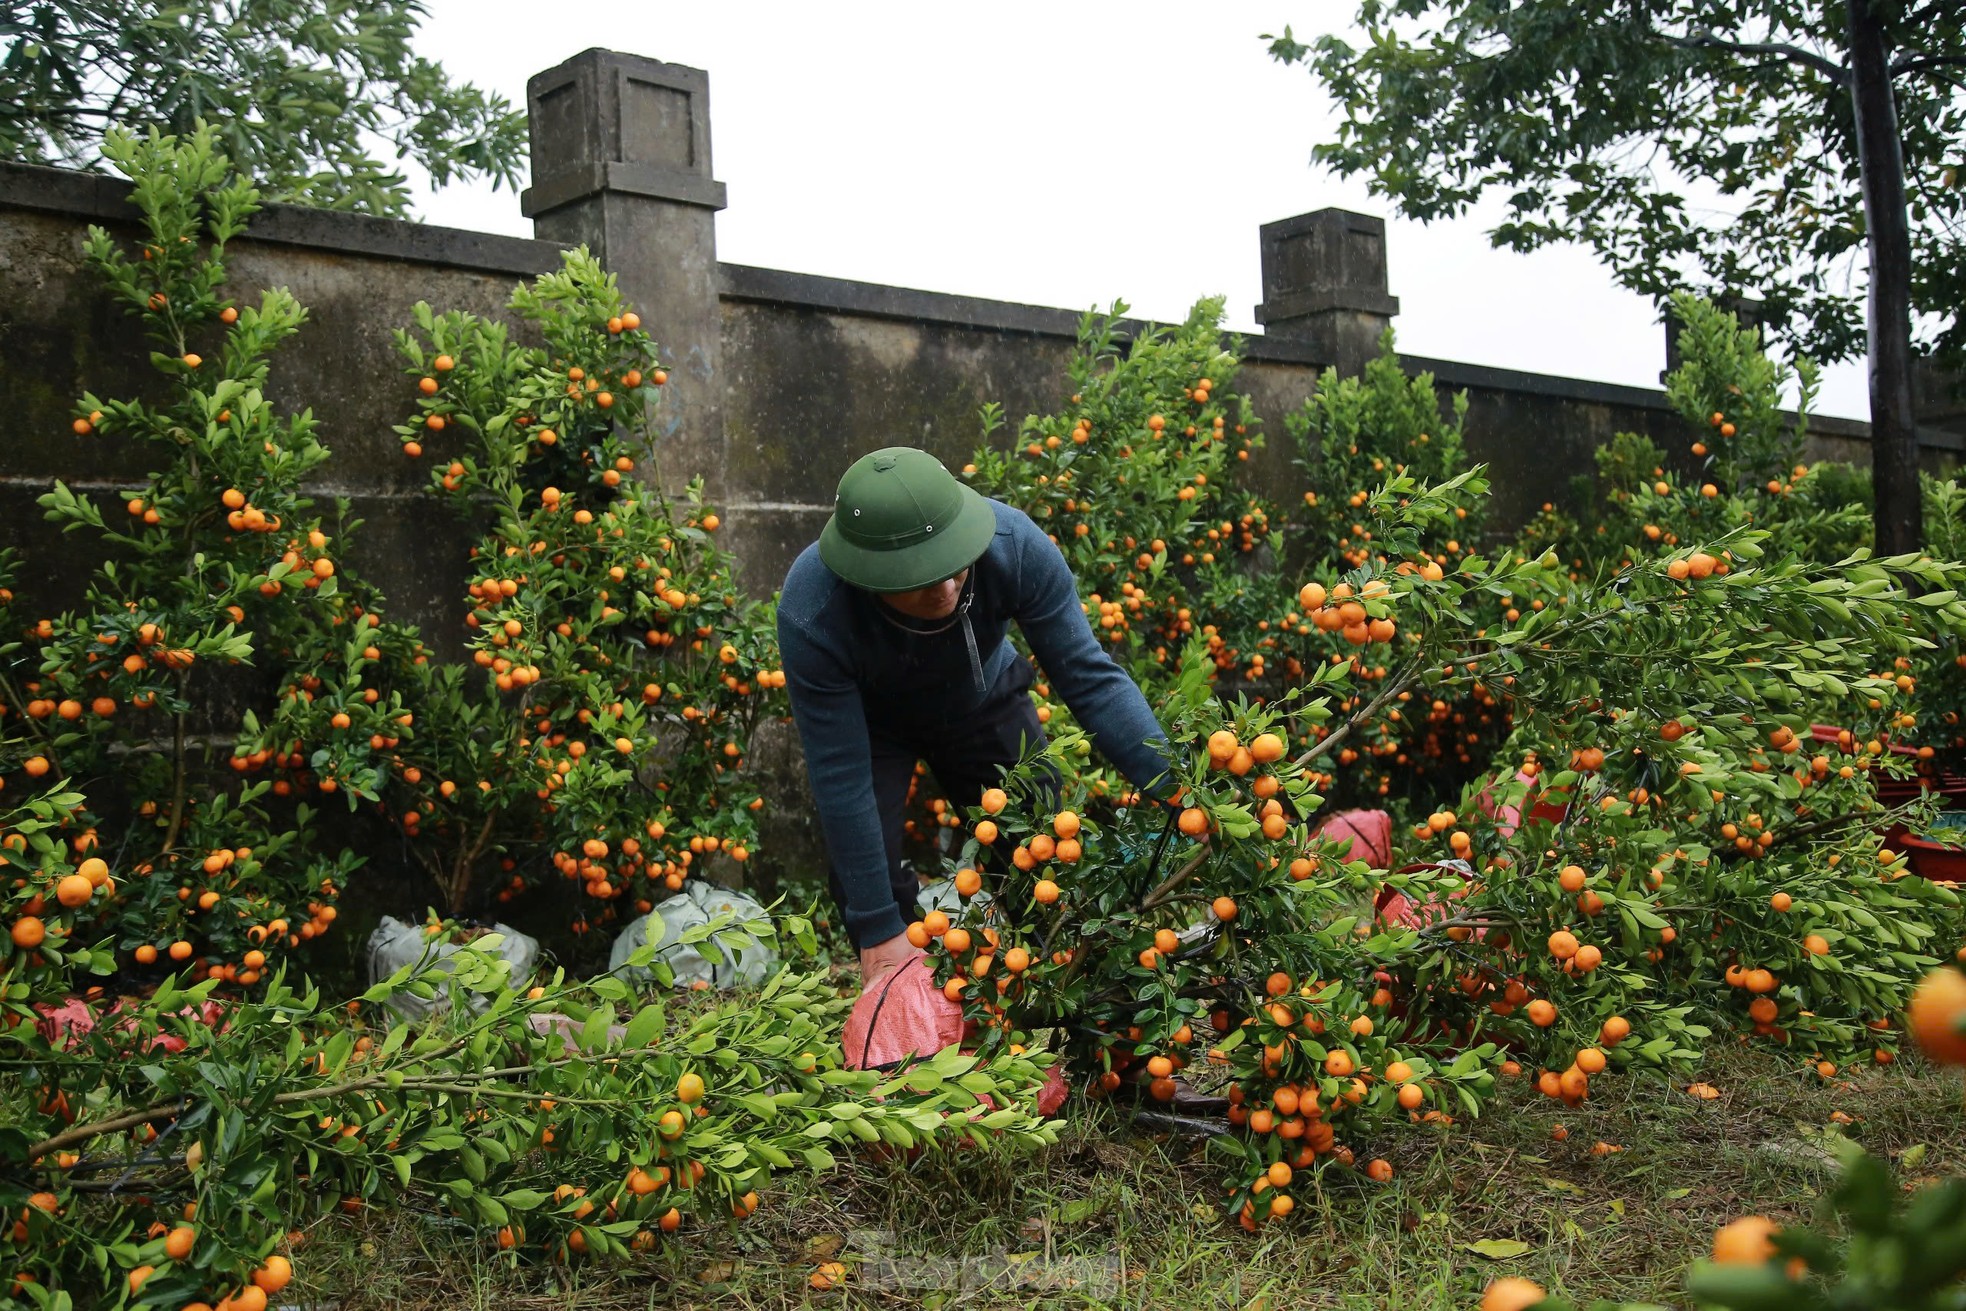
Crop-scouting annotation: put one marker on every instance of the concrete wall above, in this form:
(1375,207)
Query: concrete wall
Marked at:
(813,371)
(820,370)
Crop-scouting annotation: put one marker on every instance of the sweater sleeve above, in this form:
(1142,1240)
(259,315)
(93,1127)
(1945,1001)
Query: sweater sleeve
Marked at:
(1101,695)
(832,728)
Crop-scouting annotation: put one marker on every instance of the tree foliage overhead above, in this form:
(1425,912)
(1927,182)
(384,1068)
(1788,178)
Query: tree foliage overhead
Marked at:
(1612,122)
(307,93)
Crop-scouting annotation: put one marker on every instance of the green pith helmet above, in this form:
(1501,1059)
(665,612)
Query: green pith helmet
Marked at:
(902,521)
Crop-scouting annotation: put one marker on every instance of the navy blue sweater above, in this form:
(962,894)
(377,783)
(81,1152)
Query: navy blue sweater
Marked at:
(844,662)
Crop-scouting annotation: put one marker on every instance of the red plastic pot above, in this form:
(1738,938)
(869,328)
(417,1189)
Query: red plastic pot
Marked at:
(1929,860)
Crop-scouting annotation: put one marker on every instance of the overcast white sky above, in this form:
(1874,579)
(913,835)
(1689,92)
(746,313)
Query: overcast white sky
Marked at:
(1061,153)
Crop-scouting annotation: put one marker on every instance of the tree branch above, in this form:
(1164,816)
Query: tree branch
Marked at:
(1175,880)
(180,786)
(1168,1122)
(1901,65)
(1794,54)
(464,1083)
(1403,680)
(81,1133)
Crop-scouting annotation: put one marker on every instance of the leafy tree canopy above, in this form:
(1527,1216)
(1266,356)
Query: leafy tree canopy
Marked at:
(307,94)
(1613,122)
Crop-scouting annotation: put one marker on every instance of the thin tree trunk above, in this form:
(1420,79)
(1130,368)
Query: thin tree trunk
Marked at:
(1893,435)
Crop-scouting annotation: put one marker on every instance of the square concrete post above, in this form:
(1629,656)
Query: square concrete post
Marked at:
(1324,283)
(621,163)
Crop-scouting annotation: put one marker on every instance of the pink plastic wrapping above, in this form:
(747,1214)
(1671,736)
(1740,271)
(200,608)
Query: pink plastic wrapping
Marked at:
(61,1024)
(1370,832)
(1052,1095)
(902,1015)
(1508,818)
(1396,908)
(549,1023)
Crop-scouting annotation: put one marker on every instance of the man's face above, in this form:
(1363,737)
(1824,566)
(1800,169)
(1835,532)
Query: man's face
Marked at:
(936,601)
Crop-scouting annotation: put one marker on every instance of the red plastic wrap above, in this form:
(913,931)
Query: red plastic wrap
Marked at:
(64,1023)
(1550,805)
(1370,833)
(902,1015)
(1052,1095)
(1394,907)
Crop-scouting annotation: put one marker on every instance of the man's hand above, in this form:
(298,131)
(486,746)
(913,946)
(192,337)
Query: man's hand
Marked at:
(883,956)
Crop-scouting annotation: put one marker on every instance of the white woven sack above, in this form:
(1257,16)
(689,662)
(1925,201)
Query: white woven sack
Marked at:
(697,904)
(395,944)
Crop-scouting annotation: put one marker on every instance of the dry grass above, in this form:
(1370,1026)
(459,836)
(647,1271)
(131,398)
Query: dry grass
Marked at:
(1110,1218)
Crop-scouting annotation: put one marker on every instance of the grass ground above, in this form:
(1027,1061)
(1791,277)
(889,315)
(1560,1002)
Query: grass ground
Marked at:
(1113,1219)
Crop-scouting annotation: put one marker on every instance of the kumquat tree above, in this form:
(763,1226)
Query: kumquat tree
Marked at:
(1746,468)
(217,575)
(1369,442)
(616,672)
(1135,482)
(1170,547)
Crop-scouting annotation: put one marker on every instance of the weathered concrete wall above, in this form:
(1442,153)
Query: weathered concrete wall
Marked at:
(814,371)
(818,371)
(778,380)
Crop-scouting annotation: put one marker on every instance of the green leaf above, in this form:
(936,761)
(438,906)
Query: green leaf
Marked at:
(1082,1209)
(1500,1249)
(644,1026)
